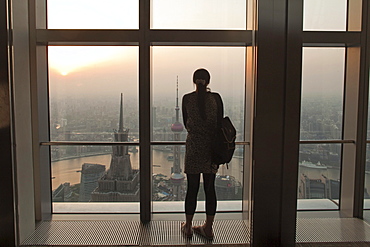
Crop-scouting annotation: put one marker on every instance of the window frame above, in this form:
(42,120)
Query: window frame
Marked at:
(144,37)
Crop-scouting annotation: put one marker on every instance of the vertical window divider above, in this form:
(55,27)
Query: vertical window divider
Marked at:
(350,123)
(144,112)
(40,113)
(361,145)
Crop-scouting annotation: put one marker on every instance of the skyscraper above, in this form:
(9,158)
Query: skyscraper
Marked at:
(121,182)
(177,177)
(90,174)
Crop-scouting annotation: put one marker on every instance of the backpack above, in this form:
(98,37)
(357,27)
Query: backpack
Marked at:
(223,146)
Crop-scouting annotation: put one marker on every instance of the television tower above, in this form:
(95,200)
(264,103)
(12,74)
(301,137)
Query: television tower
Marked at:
(177,178)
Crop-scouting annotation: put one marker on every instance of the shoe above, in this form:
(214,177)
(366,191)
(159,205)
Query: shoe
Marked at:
(200,230)
(183,230)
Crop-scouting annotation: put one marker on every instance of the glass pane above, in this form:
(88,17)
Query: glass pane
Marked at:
(367,171)
(322,93)
(367,182)
(88,87)
(368,121)
(319,176)
(85,177)
(177,64)
(328,15)
(93,14)
(169,181)
(199,14)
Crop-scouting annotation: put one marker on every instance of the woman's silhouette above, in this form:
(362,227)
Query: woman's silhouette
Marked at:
(201,115)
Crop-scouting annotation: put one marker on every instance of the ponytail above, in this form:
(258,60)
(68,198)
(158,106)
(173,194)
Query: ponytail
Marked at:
(201,78)
(201,94)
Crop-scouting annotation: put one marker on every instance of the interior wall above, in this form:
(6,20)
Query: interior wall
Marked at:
(7,214)
(22,120)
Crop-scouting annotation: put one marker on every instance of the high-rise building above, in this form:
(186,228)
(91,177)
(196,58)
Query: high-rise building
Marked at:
(90,174)
(177,177)
(121,182)
(318,188)
(227,188)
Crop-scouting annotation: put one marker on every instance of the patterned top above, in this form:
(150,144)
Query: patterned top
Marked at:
(200,132)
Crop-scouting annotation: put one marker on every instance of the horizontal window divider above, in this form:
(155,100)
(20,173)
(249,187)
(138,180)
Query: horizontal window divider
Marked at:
(183,143)
(211,37)
(155,37)
(55,36)
(326,141)
(330,39)
(79,143)
(201,43)
(71,143)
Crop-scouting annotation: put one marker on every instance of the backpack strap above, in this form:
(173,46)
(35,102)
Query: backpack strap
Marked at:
(220,109)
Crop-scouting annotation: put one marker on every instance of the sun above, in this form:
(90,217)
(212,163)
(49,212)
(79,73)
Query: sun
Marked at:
(64,73)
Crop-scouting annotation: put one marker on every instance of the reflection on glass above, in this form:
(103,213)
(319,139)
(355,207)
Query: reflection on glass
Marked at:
(368,121)
(172,73)
(199,14)
(85,86)
(93,174)
(328,15)
(319,176)
(169,181)
(367,171)
(367,179)
(93,14)
(322,93)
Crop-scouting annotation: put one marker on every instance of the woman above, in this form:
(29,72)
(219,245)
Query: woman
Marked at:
(202,112)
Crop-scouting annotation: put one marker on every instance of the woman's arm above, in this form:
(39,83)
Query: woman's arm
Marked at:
(183,109)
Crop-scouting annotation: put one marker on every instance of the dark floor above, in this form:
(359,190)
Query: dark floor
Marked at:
(356,244)
(323,232)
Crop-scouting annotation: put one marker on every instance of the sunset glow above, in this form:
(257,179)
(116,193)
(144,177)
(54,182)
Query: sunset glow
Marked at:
(67,59)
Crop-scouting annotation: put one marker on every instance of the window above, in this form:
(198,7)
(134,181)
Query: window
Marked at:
(321,120)
(367,170)
(92,14)
(93,94)
(173,68)
(95,99)
(328,15)
(85,87)
(199,14)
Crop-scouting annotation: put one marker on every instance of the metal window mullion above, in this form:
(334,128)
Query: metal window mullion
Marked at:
(330,39)
(292,119)
(156,37)
(350,122)
(144,113)
(40,117)
(359,186)
(46,36)
(272,69)
(200,37)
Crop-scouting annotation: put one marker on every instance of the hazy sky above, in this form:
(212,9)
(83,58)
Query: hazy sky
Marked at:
(328,15)
(323,71)
(106,70)
(109,70)
(121,14)
(180,14)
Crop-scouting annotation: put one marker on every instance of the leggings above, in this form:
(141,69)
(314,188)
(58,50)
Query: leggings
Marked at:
(192,192)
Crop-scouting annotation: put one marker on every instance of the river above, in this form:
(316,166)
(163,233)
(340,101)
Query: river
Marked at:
(68,170)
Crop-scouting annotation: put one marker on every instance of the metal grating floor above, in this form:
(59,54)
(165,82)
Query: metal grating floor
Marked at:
(334,230)
(311,231)
(123,233)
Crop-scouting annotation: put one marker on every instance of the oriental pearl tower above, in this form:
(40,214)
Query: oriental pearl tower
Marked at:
(177,178)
